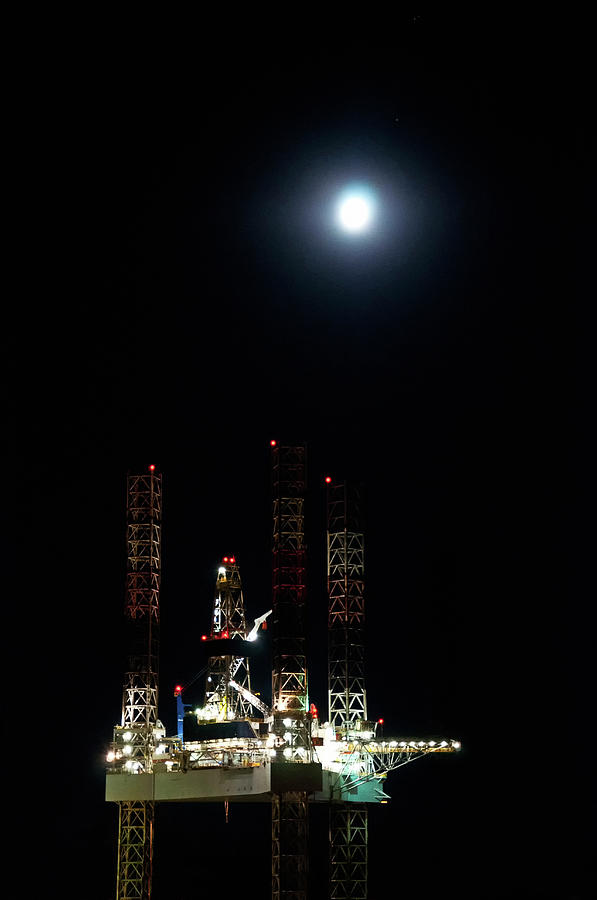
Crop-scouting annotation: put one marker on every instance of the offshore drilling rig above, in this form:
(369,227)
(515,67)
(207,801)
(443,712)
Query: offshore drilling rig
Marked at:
(241,749)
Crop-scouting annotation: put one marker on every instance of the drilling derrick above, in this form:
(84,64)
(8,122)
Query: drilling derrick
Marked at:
(346,678)
(135,739)
(291,724)
(223,701)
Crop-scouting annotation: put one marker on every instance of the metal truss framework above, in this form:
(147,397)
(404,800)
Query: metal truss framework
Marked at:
(289,663)
(364,760)
(348,851)
(290,825)
(347,696)
(135,846)
(291,724)
(142,608)
(135,739)
(228,622)
(346,610)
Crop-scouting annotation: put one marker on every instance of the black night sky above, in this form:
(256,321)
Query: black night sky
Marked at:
(184,296)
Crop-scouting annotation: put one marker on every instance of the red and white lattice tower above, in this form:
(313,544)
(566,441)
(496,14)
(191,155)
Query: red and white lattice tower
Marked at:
(346,677)
(291,722)
(135,738)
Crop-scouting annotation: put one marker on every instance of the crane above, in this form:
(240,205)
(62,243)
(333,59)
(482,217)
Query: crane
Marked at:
(252,634)
(251,698)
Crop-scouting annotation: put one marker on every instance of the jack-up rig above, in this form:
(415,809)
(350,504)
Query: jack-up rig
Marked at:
(240,749)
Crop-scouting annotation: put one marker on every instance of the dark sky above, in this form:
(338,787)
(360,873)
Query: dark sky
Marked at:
(183,297)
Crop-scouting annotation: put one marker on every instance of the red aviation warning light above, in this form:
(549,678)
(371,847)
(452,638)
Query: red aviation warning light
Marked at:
(328,479)
(272,443)
(152,468)
(203,637)
(380,721)
(178,690)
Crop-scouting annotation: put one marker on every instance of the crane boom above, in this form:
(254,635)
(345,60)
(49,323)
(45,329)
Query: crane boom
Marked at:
(251,698)
(253,632)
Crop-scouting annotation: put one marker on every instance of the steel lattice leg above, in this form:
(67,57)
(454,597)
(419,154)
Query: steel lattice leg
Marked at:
(289,846)
(348,851)
(135,850)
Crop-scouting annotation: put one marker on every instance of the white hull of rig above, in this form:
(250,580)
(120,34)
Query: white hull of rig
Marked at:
(254,783)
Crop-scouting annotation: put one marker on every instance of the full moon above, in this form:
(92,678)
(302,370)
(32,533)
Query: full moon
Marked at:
(354,212)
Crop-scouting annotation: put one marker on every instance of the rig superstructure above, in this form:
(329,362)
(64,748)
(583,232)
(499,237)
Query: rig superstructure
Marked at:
(280,754)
